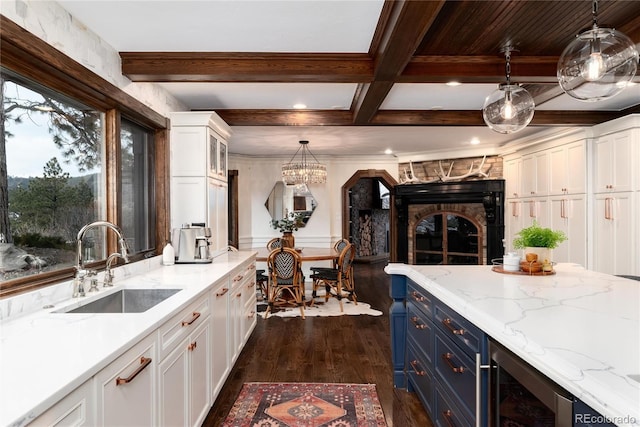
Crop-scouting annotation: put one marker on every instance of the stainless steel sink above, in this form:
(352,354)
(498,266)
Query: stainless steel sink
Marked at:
(125,301)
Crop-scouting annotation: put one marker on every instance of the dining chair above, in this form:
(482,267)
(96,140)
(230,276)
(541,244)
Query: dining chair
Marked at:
(274,243)
(286,281)
(338,282)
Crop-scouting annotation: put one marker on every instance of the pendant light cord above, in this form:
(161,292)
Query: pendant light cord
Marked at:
(594,13)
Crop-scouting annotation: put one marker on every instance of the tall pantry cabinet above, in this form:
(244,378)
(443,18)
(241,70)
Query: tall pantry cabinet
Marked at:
(198,167)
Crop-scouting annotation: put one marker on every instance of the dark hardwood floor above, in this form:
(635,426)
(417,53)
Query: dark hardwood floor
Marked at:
(344,349)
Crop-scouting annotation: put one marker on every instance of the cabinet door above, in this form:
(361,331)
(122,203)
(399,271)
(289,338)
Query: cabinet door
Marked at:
(512,178)
(126,389)
(567,166)
(613,162)
(172,389)
(236,312)
(218,216)
(535,174)
(188,200)
(614,228)
(75,409)
(222,160)
(199,349)
(535,209)
(514,216)
(188,151)
(220,336)
(568,214)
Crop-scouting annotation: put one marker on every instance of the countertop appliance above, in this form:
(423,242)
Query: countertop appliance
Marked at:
(519,395)
(192,244)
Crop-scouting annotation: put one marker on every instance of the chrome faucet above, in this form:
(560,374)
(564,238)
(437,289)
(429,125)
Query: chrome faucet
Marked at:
(108,275)
(81,272)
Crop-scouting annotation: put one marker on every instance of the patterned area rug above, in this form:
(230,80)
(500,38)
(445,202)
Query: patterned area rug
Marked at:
(306,405)
(322,308)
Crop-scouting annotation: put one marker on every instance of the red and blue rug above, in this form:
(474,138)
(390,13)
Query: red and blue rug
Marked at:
(306,405)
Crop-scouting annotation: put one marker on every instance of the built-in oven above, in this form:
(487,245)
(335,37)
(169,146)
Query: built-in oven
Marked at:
(520,396)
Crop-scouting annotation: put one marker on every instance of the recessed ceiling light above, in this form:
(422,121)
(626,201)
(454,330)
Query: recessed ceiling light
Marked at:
(299,106)
(388,151)
(474,141)
(453,83)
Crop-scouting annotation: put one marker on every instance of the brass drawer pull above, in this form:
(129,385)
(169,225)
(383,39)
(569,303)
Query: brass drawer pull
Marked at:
(144,362)
(447,357)
(414,364)
(192,346)
(193,319)
(221,293)
(417,325)
(251,285)
(416,296)
(238,278)
(449,325)
(447,417)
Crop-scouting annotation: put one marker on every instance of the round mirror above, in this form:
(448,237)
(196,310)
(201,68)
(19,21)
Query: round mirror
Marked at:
(284,199)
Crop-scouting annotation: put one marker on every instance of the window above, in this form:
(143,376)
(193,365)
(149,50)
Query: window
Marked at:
(138,195)
(54,182)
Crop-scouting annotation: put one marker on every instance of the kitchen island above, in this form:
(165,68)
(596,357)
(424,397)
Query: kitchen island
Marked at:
(579,328)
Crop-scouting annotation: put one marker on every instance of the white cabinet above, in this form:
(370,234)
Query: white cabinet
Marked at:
(615,161)
(126,388)
(535,174)
(615,225)
(569,215)
(242,308)
(184,380)
(220,335)
(199,173)
(512,177)
(567,169)
(75,409)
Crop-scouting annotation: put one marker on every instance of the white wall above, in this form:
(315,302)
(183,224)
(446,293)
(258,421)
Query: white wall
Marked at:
(256,177)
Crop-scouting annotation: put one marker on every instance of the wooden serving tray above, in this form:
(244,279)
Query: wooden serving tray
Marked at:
(500,269)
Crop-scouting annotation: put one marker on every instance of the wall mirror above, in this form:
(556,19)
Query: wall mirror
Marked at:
(290,198)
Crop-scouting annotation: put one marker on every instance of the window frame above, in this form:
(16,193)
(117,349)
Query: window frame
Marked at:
(33,58)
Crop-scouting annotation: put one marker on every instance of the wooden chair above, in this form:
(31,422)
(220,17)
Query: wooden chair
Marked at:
(338,282)
(274,243)
(338,247)
(286,281)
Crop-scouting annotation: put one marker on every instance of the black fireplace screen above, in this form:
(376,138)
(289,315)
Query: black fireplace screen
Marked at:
(447,238)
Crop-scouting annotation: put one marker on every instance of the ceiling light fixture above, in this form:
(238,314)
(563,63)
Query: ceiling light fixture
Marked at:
(510,108)
(598,63)
(303,170)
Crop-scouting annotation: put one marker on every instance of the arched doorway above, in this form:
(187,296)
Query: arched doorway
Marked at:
(367,207)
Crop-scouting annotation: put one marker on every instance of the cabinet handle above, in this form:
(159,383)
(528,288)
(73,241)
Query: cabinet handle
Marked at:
(238,278)
(192,346)
(144,362)
(447,418)
(479,367)
(414,364)
(563,209)
(416,296)
(608,211)
(221,293)
(414,320)
(515,212)
(194,317)
(532,209)
(251,314)
(447,357)
(449,325)
(251,285)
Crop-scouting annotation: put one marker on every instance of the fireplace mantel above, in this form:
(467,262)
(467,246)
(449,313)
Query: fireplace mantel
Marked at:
(488,192)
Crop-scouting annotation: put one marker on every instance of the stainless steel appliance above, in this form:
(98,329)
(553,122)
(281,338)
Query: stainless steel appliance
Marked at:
(192,244)
(521,396)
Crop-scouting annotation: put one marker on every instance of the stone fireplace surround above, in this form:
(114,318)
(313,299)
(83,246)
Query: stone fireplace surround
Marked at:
(482,200)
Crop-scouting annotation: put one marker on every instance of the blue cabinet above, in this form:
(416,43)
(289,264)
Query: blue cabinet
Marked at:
(441,352)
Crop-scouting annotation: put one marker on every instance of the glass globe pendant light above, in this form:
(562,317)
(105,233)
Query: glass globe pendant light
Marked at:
(510,108)
(598,63)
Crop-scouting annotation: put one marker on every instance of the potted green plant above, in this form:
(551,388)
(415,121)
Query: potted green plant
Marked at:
(538,240)
(287,226)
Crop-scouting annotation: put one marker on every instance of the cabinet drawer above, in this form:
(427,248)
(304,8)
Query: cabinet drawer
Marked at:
(182,324)
(459,329)
(447,413)
(457,372)
(420,377)
(75,409)
(421,298)
(420,330)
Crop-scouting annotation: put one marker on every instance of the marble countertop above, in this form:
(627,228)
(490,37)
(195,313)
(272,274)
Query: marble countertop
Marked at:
(45,355)
(578,327)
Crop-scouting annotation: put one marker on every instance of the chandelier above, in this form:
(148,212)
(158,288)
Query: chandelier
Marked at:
(510,108)
(303,170)
(598,63)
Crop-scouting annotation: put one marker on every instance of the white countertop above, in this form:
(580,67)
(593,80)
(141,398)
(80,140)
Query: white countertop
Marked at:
(45,355)
(578,327)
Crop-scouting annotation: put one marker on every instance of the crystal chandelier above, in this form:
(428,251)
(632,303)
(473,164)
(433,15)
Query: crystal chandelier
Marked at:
(598,63)
(510,108)
(303,170)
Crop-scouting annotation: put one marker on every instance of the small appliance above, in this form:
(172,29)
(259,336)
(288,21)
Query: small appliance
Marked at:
(192,243)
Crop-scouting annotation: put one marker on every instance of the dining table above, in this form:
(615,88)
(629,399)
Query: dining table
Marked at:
(306,254)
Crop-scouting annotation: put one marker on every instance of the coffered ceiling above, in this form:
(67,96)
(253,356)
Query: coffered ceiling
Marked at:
(372,73)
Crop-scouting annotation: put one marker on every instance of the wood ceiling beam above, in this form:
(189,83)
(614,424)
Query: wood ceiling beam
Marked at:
(246,67)
(406,26)
(402,118)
